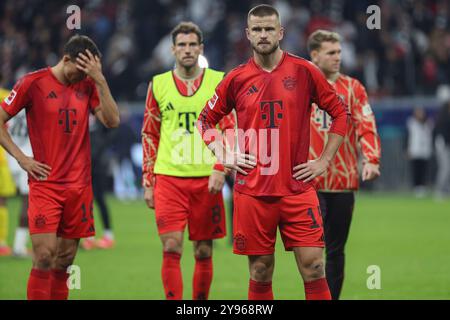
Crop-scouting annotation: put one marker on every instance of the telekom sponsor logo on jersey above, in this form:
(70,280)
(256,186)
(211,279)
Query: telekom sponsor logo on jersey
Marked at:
(262,143)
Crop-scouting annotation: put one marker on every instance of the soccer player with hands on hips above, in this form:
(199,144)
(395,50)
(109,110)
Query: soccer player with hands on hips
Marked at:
(336,187)
(57,101)
(183,186)
(272,95)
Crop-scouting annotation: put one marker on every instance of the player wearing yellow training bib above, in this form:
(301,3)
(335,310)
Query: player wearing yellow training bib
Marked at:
(181,180)
(7,189)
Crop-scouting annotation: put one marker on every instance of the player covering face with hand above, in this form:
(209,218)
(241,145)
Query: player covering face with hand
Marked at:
(57,101)
(272,96)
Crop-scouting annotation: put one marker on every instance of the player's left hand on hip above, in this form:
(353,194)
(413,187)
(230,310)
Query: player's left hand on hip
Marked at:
(370,171)
(309,170)
(216,182)
(90,65)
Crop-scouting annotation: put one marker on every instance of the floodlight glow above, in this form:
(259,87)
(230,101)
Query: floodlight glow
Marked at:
(202,61)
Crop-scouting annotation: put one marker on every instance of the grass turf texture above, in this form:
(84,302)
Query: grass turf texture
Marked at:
(407,238)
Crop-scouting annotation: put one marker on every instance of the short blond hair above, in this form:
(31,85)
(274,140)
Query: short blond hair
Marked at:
(263,10)
(317,37)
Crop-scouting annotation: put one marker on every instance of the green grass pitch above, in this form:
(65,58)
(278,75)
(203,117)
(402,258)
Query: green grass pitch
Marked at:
(408,238)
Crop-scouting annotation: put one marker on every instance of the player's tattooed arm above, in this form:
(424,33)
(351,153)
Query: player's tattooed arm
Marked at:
(108,112)
(37,170)
(314,168)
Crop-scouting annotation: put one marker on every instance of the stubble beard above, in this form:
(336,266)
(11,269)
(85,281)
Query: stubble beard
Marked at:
(266,52)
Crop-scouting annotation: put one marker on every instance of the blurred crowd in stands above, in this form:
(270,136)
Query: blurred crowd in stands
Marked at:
(409,55)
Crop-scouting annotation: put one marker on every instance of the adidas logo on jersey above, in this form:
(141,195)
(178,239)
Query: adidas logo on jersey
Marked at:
(252,90)
(52,95)
(218,230)
(169,107)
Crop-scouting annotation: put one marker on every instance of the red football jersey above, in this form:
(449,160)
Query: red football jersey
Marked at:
(57,119)
(342,174)
(273,109)
(152,125)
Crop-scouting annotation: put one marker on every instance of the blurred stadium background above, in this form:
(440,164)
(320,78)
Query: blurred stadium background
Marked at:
(404,65)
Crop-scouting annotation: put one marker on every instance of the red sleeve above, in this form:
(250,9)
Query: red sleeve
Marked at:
(19,97)
(215,109)
(227,126)
(94,100)
(227,122)
(366,128)
(150,137)
(327,99)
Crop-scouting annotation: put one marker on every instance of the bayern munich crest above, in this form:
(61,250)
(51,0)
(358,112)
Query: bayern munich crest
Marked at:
(289,83)
(80,94)
(240,242)
(40,221)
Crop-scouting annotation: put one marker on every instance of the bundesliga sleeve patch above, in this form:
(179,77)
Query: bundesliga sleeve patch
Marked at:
(367,110)
(213,101)
(9,99)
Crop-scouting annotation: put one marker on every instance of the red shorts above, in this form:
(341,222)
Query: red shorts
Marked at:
(256,219)
(181,201)
(68,212)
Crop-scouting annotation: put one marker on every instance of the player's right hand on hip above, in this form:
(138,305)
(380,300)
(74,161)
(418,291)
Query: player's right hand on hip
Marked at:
(37,170)
(240,161)
(148,197)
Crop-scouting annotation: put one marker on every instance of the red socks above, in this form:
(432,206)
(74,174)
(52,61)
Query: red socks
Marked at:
(314,290)
(59,289)
(260,290)
(173,282)
(47,285)
(38,287)
(171,276)
(202,278)
(317,290)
